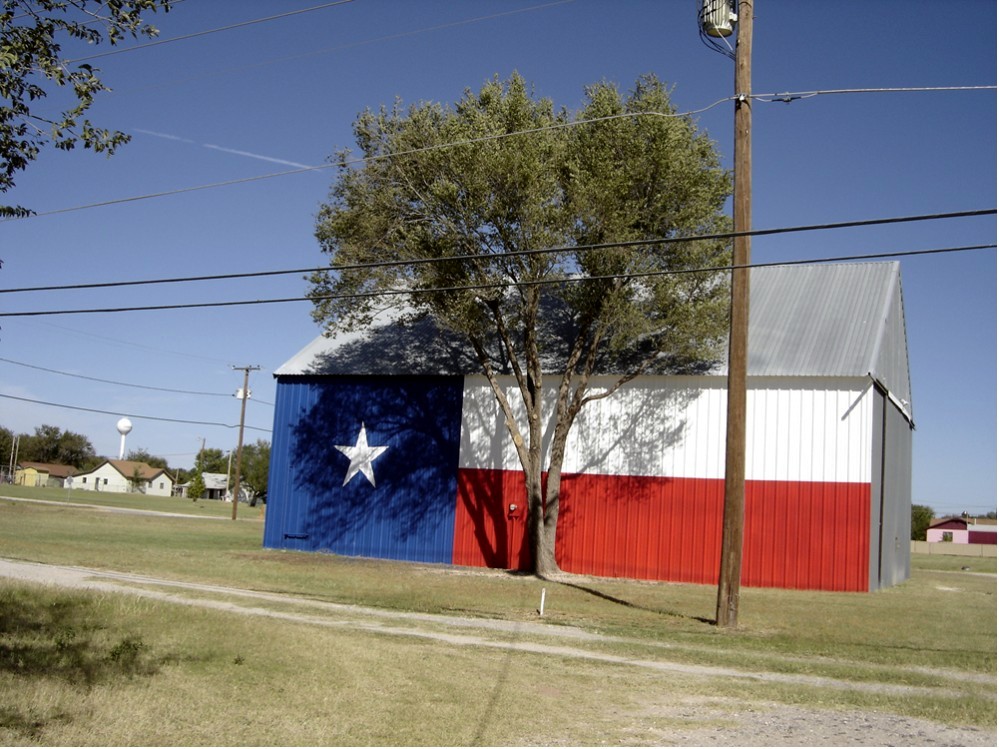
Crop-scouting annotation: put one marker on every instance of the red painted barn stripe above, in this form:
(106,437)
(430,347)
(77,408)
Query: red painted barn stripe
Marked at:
(806,535)
(640,527)
(486,533)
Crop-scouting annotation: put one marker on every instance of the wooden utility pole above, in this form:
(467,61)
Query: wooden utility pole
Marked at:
(730,571)
(243,394)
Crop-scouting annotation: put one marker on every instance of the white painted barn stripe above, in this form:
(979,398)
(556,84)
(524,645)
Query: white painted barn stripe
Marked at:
(810,429)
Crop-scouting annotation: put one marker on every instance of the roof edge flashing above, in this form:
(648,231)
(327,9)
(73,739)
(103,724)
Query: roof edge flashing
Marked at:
(903,406)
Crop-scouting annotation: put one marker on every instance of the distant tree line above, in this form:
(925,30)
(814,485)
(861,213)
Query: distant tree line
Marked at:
(50,444)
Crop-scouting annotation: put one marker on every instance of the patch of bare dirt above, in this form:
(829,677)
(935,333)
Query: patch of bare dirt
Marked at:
(772,724)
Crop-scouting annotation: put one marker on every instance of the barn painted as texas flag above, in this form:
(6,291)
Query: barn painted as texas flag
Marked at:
(388,444)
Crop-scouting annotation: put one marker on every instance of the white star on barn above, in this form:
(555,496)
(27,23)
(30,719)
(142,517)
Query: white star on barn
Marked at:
(361,457)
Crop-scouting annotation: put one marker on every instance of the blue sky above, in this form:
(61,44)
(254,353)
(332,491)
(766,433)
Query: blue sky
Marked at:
(279,95)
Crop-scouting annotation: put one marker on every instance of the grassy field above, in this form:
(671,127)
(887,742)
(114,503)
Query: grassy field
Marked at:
(102,668)
(203,507)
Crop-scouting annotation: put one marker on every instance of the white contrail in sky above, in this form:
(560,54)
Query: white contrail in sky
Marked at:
(249,155)
(257,156)
(163,135)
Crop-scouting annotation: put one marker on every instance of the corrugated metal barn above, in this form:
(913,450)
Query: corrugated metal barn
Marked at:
(387,445)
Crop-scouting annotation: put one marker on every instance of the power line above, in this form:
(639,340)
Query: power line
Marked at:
(790,96)
(128,384)
(472,141)
(350,45)
(129,344)
(499,255)
(361,160)
(114,382)
(497,285)
(125,384)
(206,32)
(288,172)
(131,416)
(91,22)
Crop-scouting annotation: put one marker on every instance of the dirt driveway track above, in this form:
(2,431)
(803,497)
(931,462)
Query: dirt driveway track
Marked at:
(757,724)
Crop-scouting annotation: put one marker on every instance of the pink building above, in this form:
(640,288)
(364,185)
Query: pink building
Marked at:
(960,531)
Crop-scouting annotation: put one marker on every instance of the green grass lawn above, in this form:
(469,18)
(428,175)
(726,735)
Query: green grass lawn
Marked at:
(165,662)
(205,507)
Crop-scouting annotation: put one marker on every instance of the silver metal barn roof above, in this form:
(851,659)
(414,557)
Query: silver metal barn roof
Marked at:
(843,320)
(836,320)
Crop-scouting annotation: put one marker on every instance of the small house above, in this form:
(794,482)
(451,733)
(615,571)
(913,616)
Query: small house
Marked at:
(126,476)
(42,474)
(960,531)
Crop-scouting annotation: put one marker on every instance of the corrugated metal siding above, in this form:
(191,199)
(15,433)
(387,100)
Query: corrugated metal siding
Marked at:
(897,492)
(811,536)
(409,514)
(486,532)
(642,488)
(283,511)
(643,483)
(798,534)
(808,429)
(798,429)
(803,535)
(653,426)
(642,527)
(817,320)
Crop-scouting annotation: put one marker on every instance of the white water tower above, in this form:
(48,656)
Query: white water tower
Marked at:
(124,427)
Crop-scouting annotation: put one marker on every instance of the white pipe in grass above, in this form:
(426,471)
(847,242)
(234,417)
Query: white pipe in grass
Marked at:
(541,611)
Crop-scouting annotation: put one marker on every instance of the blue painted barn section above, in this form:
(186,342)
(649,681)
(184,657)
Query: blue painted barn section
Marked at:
(409,513)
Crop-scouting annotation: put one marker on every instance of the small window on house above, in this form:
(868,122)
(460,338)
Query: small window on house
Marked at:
(161,485)
(105,482)
(84,479)
(947,536)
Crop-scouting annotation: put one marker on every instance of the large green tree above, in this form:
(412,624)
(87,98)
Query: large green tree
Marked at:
(6,446)
(256,465)
(50,444)
(32,65)
(212,460)
(500,176)
(922,516)
(142,455)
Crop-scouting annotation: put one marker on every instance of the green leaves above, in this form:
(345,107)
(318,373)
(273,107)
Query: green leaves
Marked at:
(31,63)
(471,192)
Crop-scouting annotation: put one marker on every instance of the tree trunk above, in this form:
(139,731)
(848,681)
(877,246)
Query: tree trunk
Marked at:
(544,551)
(545,563)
